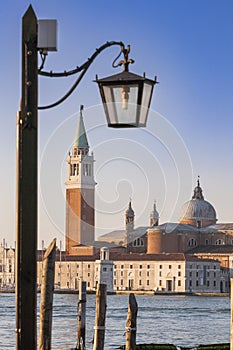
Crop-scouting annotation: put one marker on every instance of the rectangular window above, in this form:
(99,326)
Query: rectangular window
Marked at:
(179,267)
(160,266)
(140,266)
(122,273)
(197,284)
(190,274)
(139,273)
(115,266)
(148,282)
(160,273)
(140,282)
(148,273)
(179,273)
(88,266)
(115,273)
(114,282)
(170,266)
(148,266)
(88,275)
(214,283)
(122,266)
(160,282)
(104,269)
(179,283)
(130,266)
(122,282)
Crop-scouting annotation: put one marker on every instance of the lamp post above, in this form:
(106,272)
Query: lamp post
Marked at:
(125,85)
(26,212)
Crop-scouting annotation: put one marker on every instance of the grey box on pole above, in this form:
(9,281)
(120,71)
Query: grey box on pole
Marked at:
(47,34)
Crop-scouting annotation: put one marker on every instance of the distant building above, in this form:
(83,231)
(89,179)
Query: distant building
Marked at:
(192,255)
(7,266)
(173,273)
(197,232)
(196,229)
(80,193)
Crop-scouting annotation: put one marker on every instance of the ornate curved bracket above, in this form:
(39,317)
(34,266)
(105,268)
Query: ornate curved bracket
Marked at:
(84,67)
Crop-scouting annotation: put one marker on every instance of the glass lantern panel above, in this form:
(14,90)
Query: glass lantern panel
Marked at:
(146,97)
(121,103)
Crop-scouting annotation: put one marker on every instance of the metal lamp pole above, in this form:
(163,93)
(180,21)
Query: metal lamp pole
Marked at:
(26,213)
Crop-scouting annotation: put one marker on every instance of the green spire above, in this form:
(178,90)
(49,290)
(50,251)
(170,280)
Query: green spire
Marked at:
(81,136)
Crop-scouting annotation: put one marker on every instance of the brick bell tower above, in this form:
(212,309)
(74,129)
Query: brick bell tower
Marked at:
(80,192)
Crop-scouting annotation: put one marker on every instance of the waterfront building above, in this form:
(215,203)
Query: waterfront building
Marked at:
(7,266)
(104,270)
(173,273)
(168,272)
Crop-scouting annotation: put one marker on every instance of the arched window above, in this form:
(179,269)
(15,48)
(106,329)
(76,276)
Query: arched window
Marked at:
(192,242)
(219,242)
(138,242)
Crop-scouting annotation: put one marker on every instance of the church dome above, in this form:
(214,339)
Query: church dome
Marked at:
(198,212)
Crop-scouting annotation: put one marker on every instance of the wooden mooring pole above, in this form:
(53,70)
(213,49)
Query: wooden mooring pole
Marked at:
(101,296)
(46,299)
(131,323)
(81,344)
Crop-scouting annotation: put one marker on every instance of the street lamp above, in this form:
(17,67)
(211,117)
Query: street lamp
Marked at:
(126,96)
(127,89)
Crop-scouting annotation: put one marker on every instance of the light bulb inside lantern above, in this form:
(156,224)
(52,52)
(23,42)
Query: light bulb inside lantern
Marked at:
(125,96)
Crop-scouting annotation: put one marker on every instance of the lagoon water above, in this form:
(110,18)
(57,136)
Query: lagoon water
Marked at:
(179,320)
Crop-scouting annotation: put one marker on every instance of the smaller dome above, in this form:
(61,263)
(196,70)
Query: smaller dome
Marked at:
(129,212)
(154,214)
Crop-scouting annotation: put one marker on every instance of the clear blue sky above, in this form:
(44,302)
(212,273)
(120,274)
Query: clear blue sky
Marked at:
(189,46)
